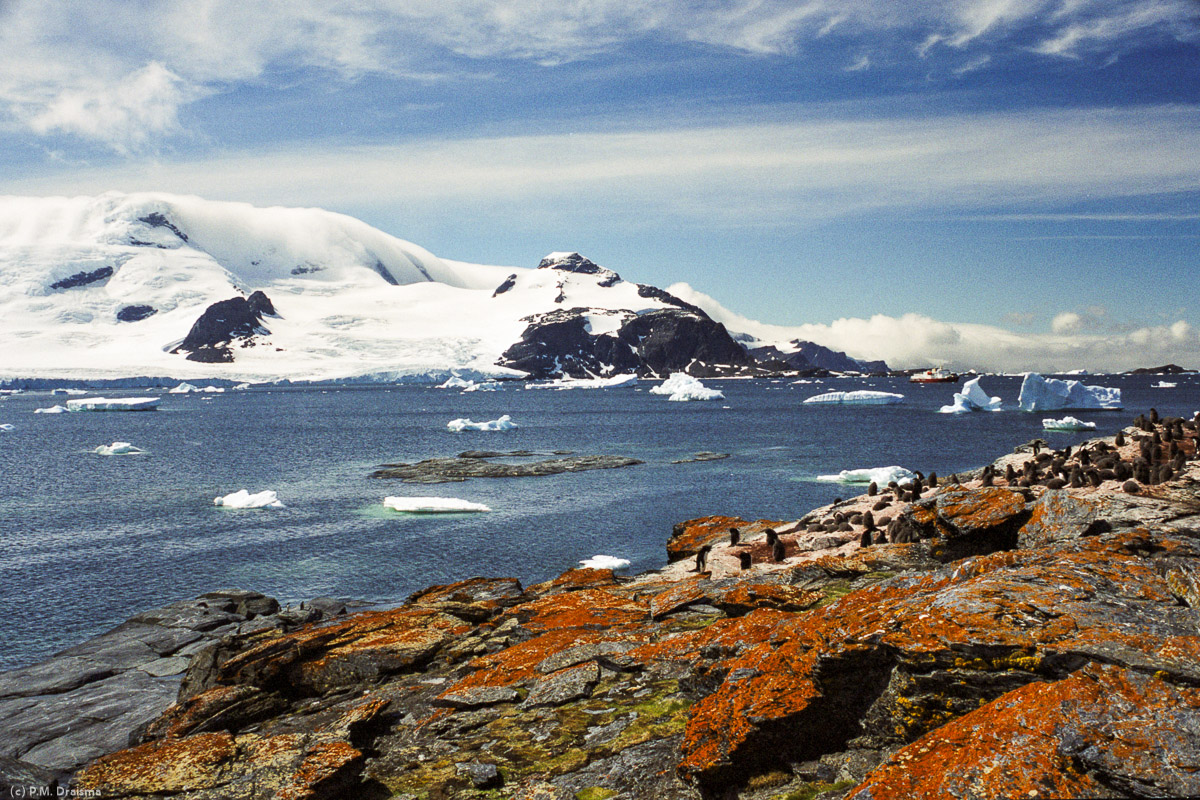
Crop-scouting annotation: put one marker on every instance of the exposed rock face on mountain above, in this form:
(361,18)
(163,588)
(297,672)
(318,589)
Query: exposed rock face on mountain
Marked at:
(238,319)
(1165,369)
(813,657)
(802,356)
(654,343)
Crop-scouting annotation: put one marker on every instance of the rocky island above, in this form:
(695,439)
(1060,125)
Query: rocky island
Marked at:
(1028,630)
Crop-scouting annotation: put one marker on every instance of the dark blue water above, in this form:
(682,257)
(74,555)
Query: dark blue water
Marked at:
(88,540)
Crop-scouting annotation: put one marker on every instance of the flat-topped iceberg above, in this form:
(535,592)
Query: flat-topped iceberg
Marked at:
(858,397)
(117,449)
(681,387)
(114,404)
(243,499)
(432,505)
(1163,385)
(971,398)
(1067,424)
(504,423)
(1051,394)
(604,562)
(880,476)
(585,383)
(51,410)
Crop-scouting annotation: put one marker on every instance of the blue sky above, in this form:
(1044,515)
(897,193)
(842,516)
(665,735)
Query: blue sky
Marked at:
(1027,164)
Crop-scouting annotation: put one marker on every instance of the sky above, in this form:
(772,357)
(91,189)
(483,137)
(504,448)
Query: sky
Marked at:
(872,171)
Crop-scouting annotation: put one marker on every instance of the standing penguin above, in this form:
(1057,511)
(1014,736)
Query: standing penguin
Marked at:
(777,551)
(735,536)
(702,557)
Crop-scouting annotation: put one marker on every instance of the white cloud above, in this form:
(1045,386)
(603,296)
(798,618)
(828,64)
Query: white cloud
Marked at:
(915,340)
(68,64)
(1066,322)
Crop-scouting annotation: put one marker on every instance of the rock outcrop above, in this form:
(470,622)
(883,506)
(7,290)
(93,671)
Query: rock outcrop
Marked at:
(994,637)
(239,319)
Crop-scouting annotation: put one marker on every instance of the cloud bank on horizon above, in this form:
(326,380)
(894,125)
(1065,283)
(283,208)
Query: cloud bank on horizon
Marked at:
(861,167)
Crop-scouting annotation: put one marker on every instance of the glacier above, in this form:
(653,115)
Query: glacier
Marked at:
(504,423)
(243,499)
(971,398)
(433,505)
(682,387)
(1051,394)
(858,397)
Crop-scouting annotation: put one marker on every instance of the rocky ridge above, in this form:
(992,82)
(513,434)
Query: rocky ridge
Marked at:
(998,634)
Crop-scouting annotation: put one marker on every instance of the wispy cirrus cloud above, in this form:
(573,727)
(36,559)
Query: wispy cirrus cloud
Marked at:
(119,72)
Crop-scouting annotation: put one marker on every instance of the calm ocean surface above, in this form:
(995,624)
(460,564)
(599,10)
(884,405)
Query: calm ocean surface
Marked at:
(87,540)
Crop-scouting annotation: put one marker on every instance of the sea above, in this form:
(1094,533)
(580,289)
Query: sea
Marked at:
(87,540)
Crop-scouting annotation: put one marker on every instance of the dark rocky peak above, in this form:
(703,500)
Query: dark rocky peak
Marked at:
(655,293)
(573,262)
(159,220)
(135,313)
(238,319)
(813,356)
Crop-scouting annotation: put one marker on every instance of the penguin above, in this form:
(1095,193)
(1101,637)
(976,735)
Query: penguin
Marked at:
(873,489)
(1120,439)
(1010,475)
(880,537)
(735,536)
(933,480)
(744,559)
(1131,487)
(702,557)
(772,536)
(777,551)
(868,521)
(1153,416)
(986,480)
(865,539)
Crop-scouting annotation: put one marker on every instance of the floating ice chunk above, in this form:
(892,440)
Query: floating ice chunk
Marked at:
(455,382)
(585,383)
(114,404)
(213,389)
(1163,385)
(117,449)
(51,410)
(1068,424)
(504,423)
(682,387)
(241,387)
(432,505)
(486,386)
(859,397)
(1051,394)
(604,562)
(4,426)
(69,391)
(243,499)
(880,476)
(971,398)
(183,388)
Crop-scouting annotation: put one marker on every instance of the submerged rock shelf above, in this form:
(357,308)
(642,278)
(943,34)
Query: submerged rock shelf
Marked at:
(477,465)
(1012,633)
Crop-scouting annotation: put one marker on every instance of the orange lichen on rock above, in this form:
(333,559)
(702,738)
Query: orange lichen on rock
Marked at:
(165,767)
(587,608)
(688,537)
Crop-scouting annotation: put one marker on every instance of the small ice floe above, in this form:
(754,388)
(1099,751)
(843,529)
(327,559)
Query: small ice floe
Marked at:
(1163,385)
(859,397)
(1051,394)
(69,391)
(243,499)
(604,562)
(504,423)
(971,398)
(117,449)
(51,410)
(433,505)
(114,404)
(241,387)
(214,389)
(563,384)
(682,387)
(455,382)
(1067,424)
(183,388)
(880,476)
(486,386)
(4,426)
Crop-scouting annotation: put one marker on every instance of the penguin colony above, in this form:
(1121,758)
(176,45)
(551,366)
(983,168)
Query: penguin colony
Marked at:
(1155,452)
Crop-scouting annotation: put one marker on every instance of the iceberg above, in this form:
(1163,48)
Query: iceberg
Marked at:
(114,404)
(486,386)
(51,410)
(604,562)
(214,389)
(432,505)
(1163,385)
(880,476)
(243,499)
(241,387)
(504,423)
(859,397)
(80,391)
(1067,424)
(971,398)
(117,449)
(183,388)
(4,426)
(1051,394)
(455,382)
(682,387)
(585,383)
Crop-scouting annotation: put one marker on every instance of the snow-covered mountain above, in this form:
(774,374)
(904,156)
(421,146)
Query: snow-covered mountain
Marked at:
(155,284)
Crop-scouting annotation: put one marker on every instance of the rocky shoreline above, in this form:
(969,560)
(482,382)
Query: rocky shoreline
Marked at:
(1030,630)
